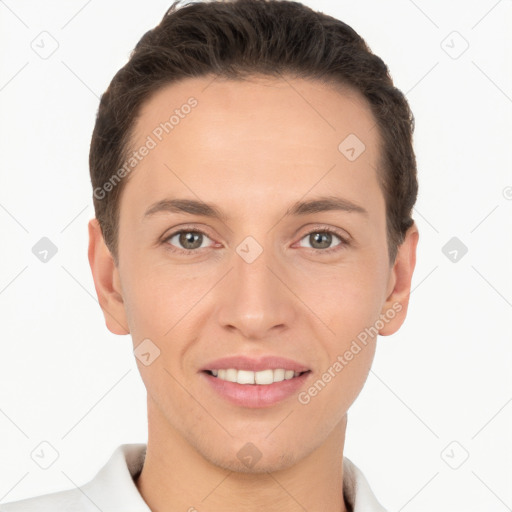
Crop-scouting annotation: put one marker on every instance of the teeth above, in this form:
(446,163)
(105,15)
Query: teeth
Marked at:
(263,377)
(288,374)
(230,375)
(242,376)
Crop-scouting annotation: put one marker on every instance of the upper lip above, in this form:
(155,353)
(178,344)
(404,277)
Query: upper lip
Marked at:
(255,364)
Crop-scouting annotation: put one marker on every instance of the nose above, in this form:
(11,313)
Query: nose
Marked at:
(256,299)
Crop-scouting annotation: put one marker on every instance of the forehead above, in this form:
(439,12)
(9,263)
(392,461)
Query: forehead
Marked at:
(262,135)
(260,106)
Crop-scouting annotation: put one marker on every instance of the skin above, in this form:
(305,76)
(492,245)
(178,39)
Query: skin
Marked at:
(252,148)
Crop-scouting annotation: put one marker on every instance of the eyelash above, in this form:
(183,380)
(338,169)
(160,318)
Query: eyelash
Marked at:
(191,252)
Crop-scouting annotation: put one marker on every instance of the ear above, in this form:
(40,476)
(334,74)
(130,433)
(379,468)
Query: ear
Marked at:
(106,281)
(399,284)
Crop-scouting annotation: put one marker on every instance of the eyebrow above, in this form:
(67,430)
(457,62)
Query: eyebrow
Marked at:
(193,207)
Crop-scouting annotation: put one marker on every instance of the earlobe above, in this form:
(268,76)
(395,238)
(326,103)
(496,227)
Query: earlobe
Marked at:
(106,281)
(397,302)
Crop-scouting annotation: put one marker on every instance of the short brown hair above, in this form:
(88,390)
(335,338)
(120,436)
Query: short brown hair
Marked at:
(236,39)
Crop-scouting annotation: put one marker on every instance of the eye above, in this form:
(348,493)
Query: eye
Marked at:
(189,241)
(321,240)
(186,240)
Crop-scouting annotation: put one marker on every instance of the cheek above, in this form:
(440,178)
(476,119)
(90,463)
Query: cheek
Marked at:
(348,299)
(344,381)
(354,301)
(157,296)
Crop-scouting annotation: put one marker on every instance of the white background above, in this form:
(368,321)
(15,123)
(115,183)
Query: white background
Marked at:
(444,377)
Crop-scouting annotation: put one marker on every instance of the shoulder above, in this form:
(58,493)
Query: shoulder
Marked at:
(357,491)
(112,488)
(71,500)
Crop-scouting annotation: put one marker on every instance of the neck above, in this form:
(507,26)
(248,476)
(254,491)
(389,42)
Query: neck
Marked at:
(175,476)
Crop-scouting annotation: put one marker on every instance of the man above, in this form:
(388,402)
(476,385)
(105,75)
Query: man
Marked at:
(253,180)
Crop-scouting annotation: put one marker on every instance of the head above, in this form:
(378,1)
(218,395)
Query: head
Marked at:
(246,112)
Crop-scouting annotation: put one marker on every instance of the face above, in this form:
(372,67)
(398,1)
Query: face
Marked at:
(271,250)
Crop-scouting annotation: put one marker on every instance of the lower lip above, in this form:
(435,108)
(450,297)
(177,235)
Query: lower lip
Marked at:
(256,395)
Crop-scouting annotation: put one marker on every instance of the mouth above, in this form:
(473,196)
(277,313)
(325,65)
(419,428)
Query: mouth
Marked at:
(261,378)
(255,382)
(255,389)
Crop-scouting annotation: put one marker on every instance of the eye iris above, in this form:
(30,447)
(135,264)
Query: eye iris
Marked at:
(190,239)
(327,242)
(187,237)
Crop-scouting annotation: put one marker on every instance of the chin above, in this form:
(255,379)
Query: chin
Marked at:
(268,463)
(255,452)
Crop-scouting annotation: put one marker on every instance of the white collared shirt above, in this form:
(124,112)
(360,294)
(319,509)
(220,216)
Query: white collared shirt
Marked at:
(113,489)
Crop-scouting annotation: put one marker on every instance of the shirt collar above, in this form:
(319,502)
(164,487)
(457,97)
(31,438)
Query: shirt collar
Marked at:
(113,488)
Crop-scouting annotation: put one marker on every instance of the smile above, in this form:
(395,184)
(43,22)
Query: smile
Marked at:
(263,377)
